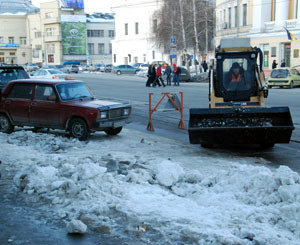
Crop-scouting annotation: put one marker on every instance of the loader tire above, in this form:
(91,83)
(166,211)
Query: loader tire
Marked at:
(207,145)
(267,145)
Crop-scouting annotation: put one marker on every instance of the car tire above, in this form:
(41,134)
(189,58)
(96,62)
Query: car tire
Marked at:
(291,85)
(79,129)
(267,145)
(118,72)
(207,145)
(5,124)
(113,131)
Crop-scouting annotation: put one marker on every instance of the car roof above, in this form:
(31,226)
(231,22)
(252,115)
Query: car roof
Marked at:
(45,81)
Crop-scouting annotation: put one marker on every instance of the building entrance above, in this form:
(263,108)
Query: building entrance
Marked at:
(287,54)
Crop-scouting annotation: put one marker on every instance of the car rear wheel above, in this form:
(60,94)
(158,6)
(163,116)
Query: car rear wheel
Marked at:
(113,131)
(79,129)
(291,85)
(5,125)
(119,72)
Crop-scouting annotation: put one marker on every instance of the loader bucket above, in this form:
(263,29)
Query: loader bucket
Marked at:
(258,125)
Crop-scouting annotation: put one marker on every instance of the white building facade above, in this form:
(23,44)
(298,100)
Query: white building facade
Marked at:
(264,21)
(134,38)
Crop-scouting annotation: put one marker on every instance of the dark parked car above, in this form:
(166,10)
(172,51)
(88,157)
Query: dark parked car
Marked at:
(11,72)
(108,68)
(185,75)
(67,105)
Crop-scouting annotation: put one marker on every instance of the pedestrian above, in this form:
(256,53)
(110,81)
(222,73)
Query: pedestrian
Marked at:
(151,75)
(204,65)
(168,72)
(274,65)
(158,78)
(176,73)
(282,63)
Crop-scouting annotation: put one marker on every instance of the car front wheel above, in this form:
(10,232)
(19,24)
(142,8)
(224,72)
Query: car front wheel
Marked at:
(79,129)
(5,125)
(113,131)
(291,85)
(119,72)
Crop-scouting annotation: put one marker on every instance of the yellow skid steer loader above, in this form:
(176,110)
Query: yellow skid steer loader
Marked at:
(237,112)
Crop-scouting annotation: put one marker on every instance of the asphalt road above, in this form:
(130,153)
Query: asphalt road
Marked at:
(195,95)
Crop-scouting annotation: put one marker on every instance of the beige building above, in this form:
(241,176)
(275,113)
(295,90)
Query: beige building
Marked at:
(264,21)
(14,45)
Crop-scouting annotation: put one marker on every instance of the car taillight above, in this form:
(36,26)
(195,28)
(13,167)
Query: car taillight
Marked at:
(53,77)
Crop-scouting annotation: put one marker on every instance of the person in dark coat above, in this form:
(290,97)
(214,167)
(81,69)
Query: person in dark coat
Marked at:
(274,65)
(204,65)
(168,72)
(151,75)
(282,63)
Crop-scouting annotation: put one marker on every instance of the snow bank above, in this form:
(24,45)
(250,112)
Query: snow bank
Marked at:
(116,184)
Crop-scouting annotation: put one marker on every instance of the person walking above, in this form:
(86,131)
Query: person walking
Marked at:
(168,72)
(151,75)
(158,77)
(282,63)
(204,65)
(176,73)
(274,65)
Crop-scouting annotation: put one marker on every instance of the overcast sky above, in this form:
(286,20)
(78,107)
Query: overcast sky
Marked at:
(90,5)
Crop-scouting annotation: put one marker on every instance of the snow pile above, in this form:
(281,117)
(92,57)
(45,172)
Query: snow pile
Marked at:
(116,184)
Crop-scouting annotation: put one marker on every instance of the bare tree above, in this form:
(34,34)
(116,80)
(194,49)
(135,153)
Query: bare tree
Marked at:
(190,22)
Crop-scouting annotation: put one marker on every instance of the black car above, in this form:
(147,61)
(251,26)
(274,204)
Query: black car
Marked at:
(11,72)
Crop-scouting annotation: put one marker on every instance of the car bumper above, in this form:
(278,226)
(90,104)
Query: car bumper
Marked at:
(102,125)
(279,83)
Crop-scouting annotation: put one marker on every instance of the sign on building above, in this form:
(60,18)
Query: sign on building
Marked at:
(73,38)
(72,4)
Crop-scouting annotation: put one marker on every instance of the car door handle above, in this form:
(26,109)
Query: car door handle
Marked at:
(33,103)
(7,102)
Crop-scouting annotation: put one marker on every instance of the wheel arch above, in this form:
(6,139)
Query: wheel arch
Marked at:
(67,124)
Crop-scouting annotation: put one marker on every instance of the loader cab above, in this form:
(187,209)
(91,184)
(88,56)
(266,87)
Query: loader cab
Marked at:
(236,78)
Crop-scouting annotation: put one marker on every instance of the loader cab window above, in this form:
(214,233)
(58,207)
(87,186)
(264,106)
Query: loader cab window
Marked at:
(236,76)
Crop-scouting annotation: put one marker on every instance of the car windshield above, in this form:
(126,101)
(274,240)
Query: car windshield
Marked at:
(71,91)
(281,73)
(55,72)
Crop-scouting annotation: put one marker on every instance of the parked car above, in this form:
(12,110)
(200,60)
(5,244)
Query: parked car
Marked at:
(125,69)
(11,72)
(48,74)
(70,68)
(49,67)
(284,77)
(30,67)
(100,67)
(185,75)
(108,68)
(59,67)
(59,104)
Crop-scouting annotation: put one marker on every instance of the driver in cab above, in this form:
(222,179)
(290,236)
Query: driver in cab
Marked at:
(235,77)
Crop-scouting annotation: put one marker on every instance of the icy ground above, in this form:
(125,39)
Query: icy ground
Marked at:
(164,192)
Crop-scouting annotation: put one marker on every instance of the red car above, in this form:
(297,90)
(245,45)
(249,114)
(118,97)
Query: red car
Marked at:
(59,104)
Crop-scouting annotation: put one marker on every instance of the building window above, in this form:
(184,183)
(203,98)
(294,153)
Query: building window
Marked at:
(110,48)
(101,48)
(235,17)
(12,53)
(229,17)
(51,58)
(50,32)
(273,52)
(296,53)
(111,33)
(153,54)
(101,33)
(51,48)
(244,14)
(93,33)
(11,40)
(48,15)
(126,28)
(155,25)
(136,28)
(136,59)
(115,58)
(1,53)
(23,40)
(1,39)
(38,47)
(37,34)
(91,48)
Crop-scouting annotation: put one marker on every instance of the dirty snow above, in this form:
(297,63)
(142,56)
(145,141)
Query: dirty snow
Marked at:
(174,193)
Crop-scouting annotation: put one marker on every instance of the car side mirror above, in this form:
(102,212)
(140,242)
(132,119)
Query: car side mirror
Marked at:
(51,98)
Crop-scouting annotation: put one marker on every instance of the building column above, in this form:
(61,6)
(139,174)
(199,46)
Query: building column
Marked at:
(291,9)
